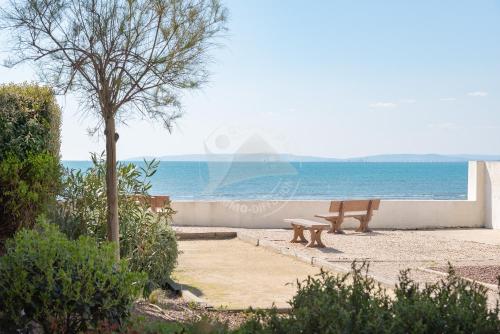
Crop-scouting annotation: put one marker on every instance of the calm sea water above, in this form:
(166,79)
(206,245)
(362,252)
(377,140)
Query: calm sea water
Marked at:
(310,180)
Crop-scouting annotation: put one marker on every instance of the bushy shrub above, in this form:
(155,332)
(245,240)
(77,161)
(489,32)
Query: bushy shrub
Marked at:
(63,286)
(29,155)
(30,120)
(147,240)
(452,305)
(28,188)
(353,303)
(203,325)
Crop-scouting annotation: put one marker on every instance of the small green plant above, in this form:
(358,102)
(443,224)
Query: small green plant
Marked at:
(452,305)
(63,286)
(205,325)
(147,240)
(350,303)
(142,325)
(354,303)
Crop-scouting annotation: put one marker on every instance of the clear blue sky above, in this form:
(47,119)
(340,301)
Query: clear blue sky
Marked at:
(334,79)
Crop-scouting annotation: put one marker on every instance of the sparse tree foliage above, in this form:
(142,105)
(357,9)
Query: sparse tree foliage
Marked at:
(121,57)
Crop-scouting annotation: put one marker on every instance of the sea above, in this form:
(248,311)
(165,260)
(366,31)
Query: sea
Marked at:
(206,180)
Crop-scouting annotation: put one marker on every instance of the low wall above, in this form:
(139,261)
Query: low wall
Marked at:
(392,214)
(481,209)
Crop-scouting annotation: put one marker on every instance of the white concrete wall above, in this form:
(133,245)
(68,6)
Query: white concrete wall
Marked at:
(392,214)
(482,208)
(492,194)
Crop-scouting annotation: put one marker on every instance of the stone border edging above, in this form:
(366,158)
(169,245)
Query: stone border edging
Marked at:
(205,235)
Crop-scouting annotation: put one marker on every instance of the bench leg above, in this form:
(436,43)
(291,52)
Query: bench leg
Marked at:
(336,228)
(335,222)
(363,226)
(316,238)
(332,228)
(298,234)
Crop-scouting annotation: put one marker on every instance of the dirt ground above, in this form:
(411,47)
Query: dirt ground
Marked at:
(234,274)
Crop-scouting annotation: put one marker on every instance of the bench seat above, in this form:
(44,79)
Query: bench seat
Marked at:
(336,214)
(307,223)
(315,228)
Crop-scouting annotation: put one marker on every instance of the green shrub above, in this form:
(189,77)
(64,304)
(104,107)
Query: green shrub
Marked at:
(204,325)
(62,286)
(28,188)
(147,240)
(353,303)
(452,305)
(29,155)
(30,120)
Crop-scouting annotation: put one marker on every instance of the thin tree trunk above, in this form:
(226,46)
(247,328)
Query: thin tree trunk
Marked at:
(112,185)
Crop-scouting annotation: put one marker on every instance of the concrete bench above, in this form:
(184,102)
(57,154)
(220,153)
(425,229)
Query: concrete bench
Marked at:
(361,210)
(315,228)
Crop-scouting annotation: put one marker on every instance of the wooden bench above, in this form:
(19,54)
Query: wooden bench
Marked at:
(315,228)
(361,210)
(156,203)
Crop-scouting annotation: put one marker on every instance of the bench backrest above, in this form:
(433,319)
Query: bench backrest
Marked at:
(154,202)
(367,205)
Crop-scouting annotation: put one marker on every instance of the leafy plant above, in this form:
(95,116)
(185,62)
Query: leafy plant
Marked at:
(29,155)
(452,305)
(28,188)
(63,286)
(147,240)
(350,303)
(147,326)
(30,120)
(353,303)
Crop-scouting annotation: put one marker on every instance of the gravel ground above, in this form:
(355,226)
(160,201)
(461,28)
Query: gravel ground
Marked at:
(485,274)
(172,308)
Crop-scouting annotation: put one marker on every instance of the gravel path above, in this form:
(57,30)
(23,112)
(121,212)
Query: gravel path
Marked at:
(485,274)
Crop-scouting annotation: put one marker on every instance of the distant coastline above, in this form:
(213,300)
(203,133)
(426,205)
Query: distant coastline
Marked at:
(270,157)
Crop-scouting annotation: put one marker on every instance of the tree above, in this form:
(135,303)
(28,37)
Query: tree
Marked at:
(121,57)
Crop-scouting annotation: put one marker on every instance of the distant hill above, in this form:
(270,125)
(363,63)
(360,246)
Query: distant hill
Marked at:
(262,157)
(424,158)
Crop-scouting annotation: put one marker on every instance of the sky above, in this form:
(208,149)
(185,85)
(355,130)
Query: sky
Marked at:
(329,78)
